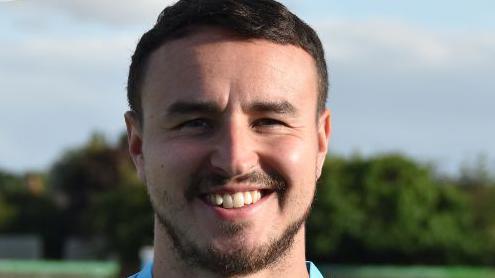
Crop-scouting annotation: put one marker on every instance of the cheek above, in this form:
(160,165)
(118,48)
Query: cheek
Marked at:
(295,159)
(170,165)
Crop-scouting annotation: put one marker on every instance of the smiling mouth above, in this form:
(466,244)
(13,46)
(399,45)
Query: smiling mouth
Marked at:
(235,200)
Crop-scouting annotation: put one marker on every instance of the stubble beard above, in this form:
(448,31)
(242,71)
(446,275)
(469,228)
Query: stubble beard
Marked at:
(239,260)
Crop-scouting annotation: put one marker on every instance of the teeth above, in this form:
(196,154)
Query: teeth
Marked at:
(218,199)
(248,199)
(257,196)
(236,200)
(227,201)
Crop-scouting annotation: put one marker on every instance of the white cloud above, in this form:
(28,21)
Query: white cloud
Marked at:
(102,11)
(402,46)
(424,92)
(56,91)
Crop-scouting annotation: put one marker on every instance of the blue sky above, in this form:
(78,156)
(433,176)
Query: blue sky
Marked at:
(415,77)
(439,13)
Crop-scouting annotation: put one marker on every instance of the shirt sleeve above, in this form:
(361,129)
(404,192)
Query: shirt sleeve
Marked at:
(146,272)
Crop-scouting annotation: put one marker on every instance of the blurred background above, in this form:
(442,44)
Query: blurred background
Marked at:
(408,188)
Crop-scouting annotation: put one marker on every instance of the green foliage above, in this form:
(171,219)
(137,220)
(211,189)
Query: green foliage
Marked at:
(7,214)
(8,183)
(125,218)
(390,209)
(24,211)
(102,197)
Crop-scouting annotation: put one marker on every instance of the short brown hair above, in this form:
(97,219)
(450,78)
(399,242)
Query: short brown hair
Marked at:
(251,19)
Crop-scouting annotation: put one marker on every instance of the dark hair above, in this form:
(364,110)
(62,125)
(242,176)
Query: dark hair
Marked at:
(252,19)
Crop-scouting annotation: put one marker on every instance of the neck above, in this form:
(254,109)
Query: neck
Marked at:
(167,262)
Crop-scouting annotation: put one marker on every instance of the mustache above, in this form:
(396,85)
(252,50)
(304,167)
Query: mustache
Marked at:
(202,182)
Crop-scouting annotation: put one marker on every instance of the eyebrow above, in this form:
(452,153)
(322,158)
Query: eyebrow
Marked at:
(189,107)
(207,107)
(278,107)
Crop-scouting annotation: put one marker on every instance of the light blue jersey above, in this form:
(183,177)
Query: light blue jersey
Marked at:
(146,272)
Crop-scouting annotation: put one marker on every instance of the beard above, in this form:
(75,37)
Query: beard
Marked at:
(238,260)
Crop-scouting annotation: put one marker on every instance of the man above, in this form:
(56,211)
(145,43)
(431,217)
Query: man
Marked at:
(228,129)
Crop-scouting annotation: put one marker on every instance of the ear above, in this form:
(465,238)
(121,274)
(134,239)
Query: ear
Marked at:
(324,132)
(135,139)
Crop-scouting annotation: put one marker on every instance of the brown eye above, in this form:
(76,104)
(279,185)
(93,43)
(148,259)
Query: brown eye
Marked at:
(268,122)
(196,124)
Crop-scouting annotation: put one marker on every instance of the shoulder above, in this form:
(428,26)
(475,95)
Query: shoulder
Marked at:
(146,272)
(313,270)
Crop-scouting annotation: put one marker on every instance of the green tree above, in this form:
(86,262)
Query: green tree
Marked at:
(8,184)
(24,211)
(101,196)
(388,209)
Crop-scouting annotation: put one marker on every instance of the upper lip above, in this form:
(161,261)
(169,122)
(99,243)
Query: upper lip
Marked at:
(235,188)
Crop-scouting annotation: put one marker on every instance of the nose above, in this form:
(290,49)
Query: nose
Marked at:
(234,151)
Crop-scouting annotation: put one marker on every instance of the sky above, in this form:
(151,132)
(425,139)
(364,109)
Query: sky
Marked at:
(415,77)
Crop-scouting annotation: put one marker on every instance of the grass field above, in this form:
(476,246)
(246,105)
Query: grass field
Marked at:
(339,271)
(71,269)
(57,269)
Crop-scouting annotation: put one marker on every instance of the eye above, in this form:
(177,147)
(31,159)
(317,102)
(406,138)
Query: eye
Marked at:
(195,124)
(268,122)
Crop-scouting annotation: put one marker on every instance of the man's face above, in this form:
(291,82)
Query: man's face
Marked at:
(225,121)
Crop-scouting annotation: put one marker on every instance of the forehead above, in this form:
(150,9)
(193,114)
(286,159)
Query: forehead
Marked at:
(216,65)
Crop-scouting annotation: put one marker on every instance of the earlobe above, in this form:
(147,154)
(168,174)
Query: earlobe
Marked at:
(324,133)
(134,138)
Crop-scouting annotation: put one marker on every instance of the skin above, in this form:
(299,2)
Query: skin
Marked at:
(234,139)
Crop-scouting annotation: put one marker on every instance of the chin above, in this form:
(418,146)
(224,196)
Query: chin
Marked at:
(237,242)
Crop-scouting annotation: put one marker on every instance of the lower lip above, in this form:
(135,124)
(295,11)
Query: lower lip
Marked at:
(234,214)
